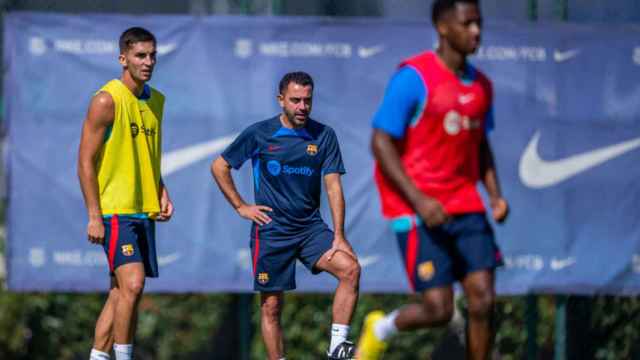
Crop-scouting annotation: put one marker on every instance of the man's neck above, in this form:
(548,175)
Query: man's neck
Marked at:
(134,86)
(286,123)
(454,60)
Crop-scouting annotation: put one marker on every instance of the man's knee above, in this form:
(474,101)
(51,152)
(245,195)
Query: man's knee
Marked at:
(131,288)
(114,294)
(270,308)
(480,302)
(440,310)
(351,273)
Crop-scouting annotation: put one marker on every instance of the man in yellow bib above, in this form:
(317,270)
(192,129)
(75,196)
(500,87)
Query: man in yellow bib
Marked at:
(119,171)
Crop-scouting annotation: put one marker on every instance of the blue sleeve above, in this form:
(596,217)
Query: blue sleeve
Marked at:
(404,97)
(489,123)
(332,162)
(241,149)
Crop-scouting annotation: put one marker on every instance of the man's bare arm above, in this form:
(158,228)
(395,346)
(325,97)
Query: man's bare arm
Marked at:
(335,195)
(166,205)
(386,153)
(221,172)
(489,177)
(99,118)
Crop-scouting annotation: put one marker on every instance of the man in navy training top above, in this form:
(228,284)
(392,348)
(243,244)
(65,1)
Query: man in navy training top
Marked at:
(291,154)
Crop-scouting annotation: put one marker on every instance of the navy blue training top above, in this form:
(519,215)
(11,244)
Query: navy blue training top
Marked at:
(288,167)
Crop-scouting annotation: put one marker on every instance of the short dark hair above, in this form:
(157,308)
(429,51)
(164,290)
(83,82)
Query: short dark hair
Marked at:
(135,35)
(440,7)
(296,77)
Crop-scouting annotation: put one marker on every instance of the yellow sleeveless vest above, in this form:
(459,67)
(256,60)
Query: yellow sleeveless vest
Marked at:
(128,166)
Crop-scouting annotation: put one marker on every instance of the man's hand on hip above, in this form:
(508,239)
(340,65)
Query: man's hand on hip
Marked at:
(255,213)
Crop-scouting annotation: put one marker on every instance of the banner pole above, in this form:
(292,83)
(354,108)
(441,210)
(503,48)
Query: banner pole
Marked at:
(562,7)
(276,7)
(533,10)
(244,7)
(531,308)
(245,304)
(560,349)
(531,317)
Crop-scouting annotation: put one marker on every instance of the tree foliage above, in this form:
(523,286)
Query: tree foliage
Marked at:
(60,326)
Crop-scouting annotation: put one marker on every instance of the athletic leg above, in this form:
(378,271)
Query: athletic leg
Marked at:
(479,290)
(270,310)
(103,339)
(347,270)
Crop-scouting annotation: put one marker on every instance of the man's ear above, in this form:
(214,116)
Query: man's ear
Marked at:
(442,28)
(122,60)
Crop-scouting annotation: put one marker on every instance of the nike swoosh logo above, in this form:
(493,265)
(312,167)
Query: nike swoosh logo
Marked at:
(559,264)
(181,158)
(168,259)
(368,260)
(367,52)
(464,99)
(561,56)
(243,259)
(635,262)
(538,173)
(164,49)
(365,260)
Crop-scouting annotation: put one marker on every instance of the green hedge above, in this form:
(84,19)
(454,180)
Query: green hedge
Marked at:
(60,326)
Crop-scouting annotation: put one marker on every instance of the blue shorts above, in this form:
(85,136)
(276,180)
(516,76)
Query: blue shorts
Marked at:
(130,240)
(436,257)
(274,255)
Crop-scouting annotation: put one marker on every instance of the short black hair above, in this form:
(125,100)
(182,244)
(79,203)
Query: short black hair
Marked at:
(296,77)
(440,7)
(135,35)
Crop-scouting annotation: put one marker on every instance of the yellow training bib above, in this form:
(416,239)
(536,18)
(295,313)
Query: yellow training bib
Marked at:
(128,166)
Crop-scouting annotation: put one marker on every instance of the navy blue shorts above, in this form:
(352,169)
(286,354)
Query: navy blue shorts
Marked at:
(436,257)
(274,255)
(130,240)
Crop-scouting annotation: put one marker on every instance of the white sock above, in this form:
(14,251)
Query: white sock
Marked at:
(386,326)
(99,355)
(339,334)
(123,351)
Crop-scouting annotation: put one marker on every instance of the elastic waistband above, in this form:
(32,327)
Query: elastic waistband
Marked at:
(404,223)
(138,216)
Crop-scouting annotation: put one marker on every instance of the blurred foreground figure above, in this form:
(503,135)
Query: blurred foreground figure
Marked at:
(429,141)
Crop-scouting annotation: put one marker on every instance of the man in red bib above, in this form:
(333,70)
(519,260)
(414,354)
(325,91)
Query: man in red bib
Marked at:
(431,149)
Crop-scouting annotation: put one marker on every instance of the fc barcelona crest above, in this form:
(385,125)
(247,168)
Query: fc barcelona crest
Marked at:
(426,270)
(263,278)
(312,149)
(127,250)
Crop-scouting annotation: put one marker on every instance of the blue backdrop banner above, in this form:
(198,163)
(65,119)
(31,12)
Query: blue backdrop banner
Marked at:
(567,105)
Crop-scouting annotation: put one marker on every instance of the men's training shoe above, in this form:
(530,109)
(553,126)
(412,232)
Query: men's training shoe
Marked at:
(369,346)
(346,350)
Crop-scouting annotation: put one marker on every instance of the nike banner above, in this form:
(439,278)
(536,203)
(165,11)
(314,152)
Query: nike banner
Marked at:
(566,142)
